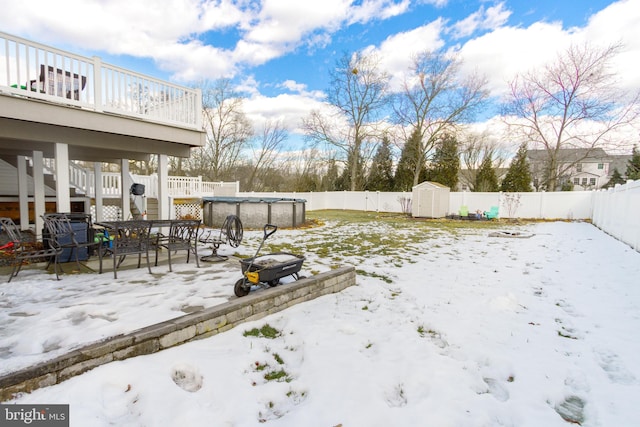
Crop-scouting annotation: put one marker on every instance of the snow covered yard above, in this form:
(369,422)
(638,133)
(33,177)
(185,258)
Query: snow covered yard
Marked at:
(446,327)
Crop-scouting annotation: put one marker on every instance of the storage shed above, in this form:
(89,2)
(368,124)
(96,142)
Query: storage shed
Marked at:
(430,200)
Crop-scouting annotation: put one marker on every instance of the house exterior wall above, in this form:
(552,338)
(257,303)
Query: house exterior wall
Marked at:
(589,175)
(583,169)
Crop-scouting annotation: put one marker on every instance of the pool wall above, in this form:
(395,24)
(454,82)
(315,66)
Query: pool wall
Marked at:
(254,212)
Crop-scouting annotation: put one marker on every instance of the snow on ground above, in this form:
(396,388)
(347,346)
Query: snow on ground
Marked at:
(455,328)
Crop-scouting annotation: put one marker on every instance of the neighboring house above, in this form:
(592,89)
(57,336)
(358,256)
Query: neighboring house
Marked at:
(583,168)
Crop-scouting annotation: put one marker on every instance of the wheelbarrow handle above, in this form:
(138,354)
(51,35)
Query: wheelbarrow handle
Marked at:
(269,229)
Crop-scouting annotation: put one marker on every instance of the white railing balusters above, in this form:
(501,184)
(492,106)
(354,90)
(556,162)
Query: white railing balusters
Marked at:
(178,186)
(70,79)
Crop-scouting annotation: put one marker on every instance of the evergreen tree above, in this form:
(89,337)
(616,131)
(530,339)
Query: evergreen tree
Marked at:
(518,177)
(446,162)
(381,172)
(353,170)
(616,178)
(633,166)
(486,179)
(331,178)
(406,165)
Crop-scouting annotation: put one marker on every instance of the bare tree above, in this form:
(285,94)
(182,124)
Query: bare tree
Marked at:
(266,153)
(474,149)
(144,167)
(571,103)
(228,131)
(435,99)
(357,95)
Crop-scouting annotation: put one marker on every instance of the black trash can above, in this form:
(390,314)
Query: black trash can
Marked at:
(82,227)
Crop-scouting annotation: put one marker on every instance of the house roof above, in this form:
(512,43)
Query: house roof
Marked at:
(571,155)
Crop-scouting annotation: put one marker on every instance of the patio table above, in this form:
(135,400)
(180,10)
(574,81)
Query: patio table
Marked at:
(122,238)
(181,235)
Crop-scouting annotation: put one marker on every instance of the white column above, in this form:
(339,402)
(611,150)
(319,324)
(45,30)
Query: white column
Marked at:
(126,185)
(38,191)
(63,194)
(97,173)
(23,192)
(163,187)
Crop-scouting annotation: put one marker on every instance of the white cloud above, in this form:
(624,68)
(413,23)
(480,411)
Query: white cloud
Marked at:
(502,53)
(249,85)
(290,108)
(619,23)
(170,31)
(482,19)
(396,51)
(506,51)
(302,89)
(377,9)
(193,61)
(221,14)
(436,3)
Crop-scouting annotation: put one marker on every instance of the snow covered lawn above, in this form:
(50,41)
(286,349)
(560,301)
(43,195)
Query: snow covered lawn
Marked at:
(450,327)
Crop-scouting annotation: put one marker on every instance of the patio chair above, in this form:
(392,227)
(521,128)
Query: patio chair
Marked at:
(71,237)
(129,238)
(492,213)
(230,233)
(18,251)
(182,237)
(463,212)
(51,81)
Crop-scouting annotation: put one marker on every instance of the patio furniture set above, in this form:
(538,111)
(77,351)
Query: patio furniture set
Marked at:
(71,237)
(464,213)
(74,238)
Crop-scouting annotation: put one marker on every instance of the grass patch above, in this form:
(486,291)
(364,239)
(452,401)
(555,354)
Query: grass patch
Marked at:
(279,376)
(424,332)
(351,237)
(382,277)
(266,331)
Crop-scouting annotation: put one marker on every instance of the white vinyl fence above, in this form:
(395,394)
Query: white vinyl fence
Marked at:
(559,205)
(617,212)
(534,205)
(375,201)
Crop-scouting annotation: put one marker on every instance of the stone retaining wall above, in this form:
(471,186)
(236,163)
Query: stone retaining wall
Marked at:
(201,324)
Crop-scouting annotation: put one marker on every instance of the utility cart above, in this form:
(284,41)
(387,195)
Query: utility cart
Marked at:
(267,269)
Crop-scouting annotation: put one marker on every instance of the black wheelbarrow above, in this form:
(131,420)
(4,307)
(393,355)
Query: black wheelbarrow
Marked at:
(267,269)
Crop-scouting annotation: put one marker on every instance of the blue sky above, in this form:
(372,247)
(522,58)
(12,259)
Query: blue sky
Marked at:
(279,52)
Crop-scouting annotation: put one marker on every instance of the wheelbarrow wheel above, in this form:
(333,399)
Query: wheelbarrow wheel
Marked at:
(274,282)
(241,289)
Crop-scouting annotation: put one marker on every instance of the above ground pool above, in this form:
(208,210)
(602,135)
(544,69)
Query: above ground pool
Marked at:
(254,212)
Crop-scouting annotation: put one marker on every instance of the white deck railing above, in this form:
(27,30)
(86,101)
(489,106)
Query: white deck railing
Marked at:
(178,186)
(37,71)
